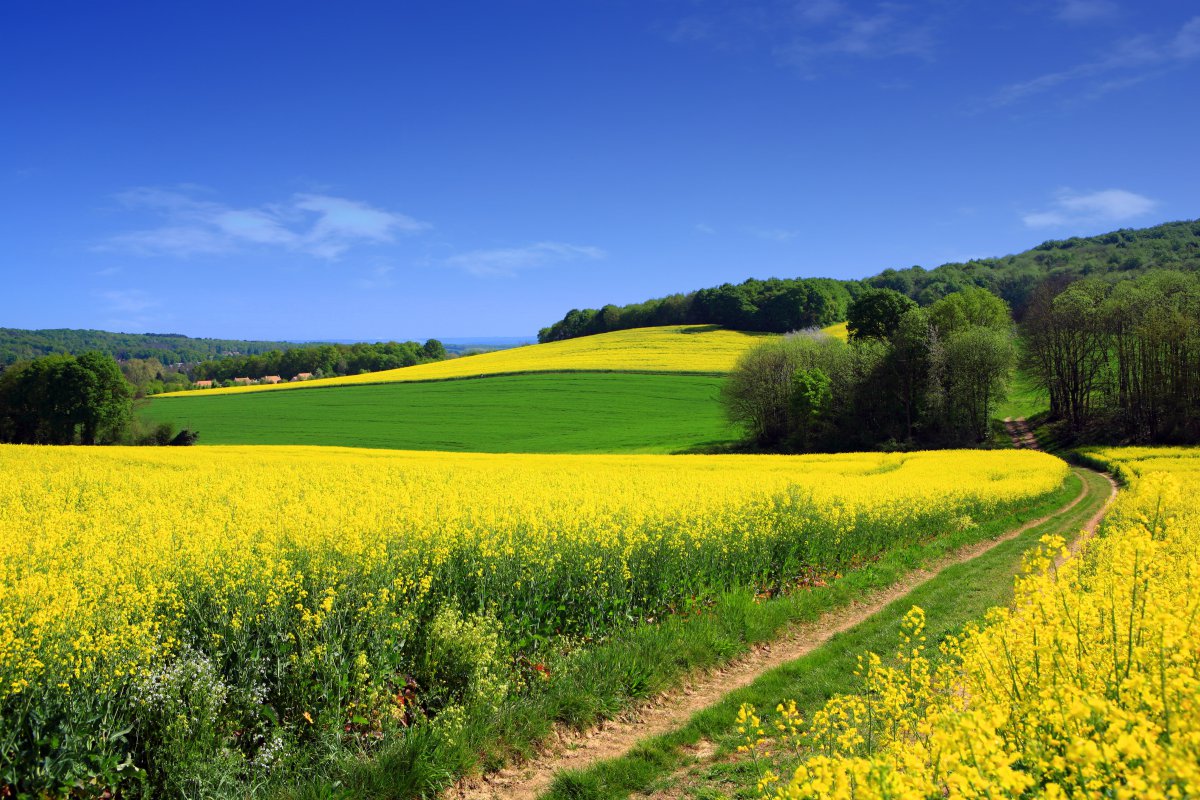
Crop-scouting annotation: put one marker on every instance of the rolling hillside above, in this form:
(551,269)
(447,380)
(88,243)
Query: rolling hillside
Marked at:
(653,390)
(686,349)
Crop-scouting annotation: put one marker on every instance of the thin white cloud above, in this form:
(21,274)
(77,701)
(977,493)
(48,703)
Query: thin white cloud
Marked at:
(773,234)
(1127,63)
(1186,44)
(509,261)
(378,278)
(1108,206)
(318,225)
(805,35)
(1075,11)
(884,33)
(130,310)
(707,230)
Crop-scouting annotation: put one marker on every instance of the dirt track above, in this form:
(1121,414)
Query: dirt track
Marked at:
(570,750)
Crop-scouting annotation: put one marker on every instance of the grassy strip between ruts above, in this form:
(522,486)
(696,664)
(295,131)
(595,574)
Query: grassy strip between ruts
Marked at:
(601,681)
(961,593)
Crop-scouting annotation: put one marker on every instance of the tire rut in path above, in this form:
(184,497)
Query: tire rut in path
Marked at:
(1022,436)
(570,750)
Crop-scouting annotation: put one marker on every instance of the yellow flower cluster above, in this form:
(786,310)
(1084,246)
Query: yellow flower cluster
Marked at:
(307,576)
(838,330)
(1088,686)
(674,348)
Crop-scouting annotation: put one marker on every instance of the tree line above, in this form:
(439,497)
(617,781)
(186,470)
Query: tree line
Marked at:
(909,376)
(1113,256)
(782,305)
(325,360)
(1119,362)
(18,344)
(774,305)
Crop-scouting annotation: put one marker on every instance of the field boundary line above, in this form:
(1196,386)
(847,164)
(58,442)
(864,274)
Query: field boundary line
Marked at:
(571,750)
(268,389)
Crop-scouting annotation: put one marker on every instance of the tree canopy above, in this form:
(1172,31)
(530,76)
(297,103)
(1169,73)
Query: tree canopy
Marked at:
(788,304)
(876,313)
(62,399)
(1120,362)
(909,377)
(775,305)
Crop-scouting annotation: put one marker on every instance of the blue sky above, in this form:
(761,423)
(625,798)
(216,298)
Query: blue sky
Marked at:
(307,170)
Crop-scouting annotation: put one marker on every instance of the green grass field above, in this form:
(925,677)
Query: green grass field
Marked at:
(1024,398)
(542,413)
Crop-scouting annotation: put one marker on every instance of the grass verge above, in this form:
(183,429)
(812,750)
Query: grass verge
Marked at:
(957,595)
(601,680)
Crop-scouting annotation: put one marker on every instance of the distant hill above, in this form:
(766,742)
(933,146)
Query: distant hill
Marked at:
(779,305)
(1173,245)
(17,344)
(695,349)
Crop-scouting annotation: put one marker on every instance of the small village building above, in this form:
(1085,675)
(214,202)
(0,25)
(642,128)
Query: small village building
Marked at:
(243,381)
(203,384)
(303,376)
(270,379)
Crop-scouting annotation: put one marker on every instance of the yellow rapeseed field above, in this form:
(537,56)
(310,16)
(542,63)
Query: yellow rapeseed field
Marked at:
(1088,686)
(838,330)
(305,581)
(674,348)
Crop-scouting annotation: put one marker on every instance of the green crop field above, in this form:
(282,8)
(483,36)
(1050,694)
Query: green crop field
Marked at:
(543,413)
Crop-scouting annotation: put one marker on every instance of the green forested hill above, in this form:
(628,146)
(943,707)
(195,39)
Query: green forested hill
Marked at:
(1127,252)
(781,305)
(170,348)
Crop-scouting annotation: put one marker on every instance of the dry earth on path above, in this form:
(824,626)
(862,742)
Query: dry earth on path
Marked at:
(1020,433)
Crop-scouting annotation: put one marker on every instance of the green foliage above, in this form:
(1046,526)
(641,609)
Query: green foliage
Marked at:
(876,313)
(782,305)
(553,413)
(978,360)
(181,706)
(324,360)
(811,399)
(64,399)
(971,307)
(753,305)
(1119,362)
(1111,257)
(909,376)
(168,348)
(464,660)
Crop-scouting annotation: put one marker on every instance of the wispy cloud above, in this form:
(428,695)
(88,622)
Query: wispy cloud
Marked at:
(378,278)
(511,260)
(1075,11)
(127,301)
(131,310)
(804,35)
(885,32)
(1128,62)
(319,225)
(707,230)
(773,234)
(1108,206)
(1186,44)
